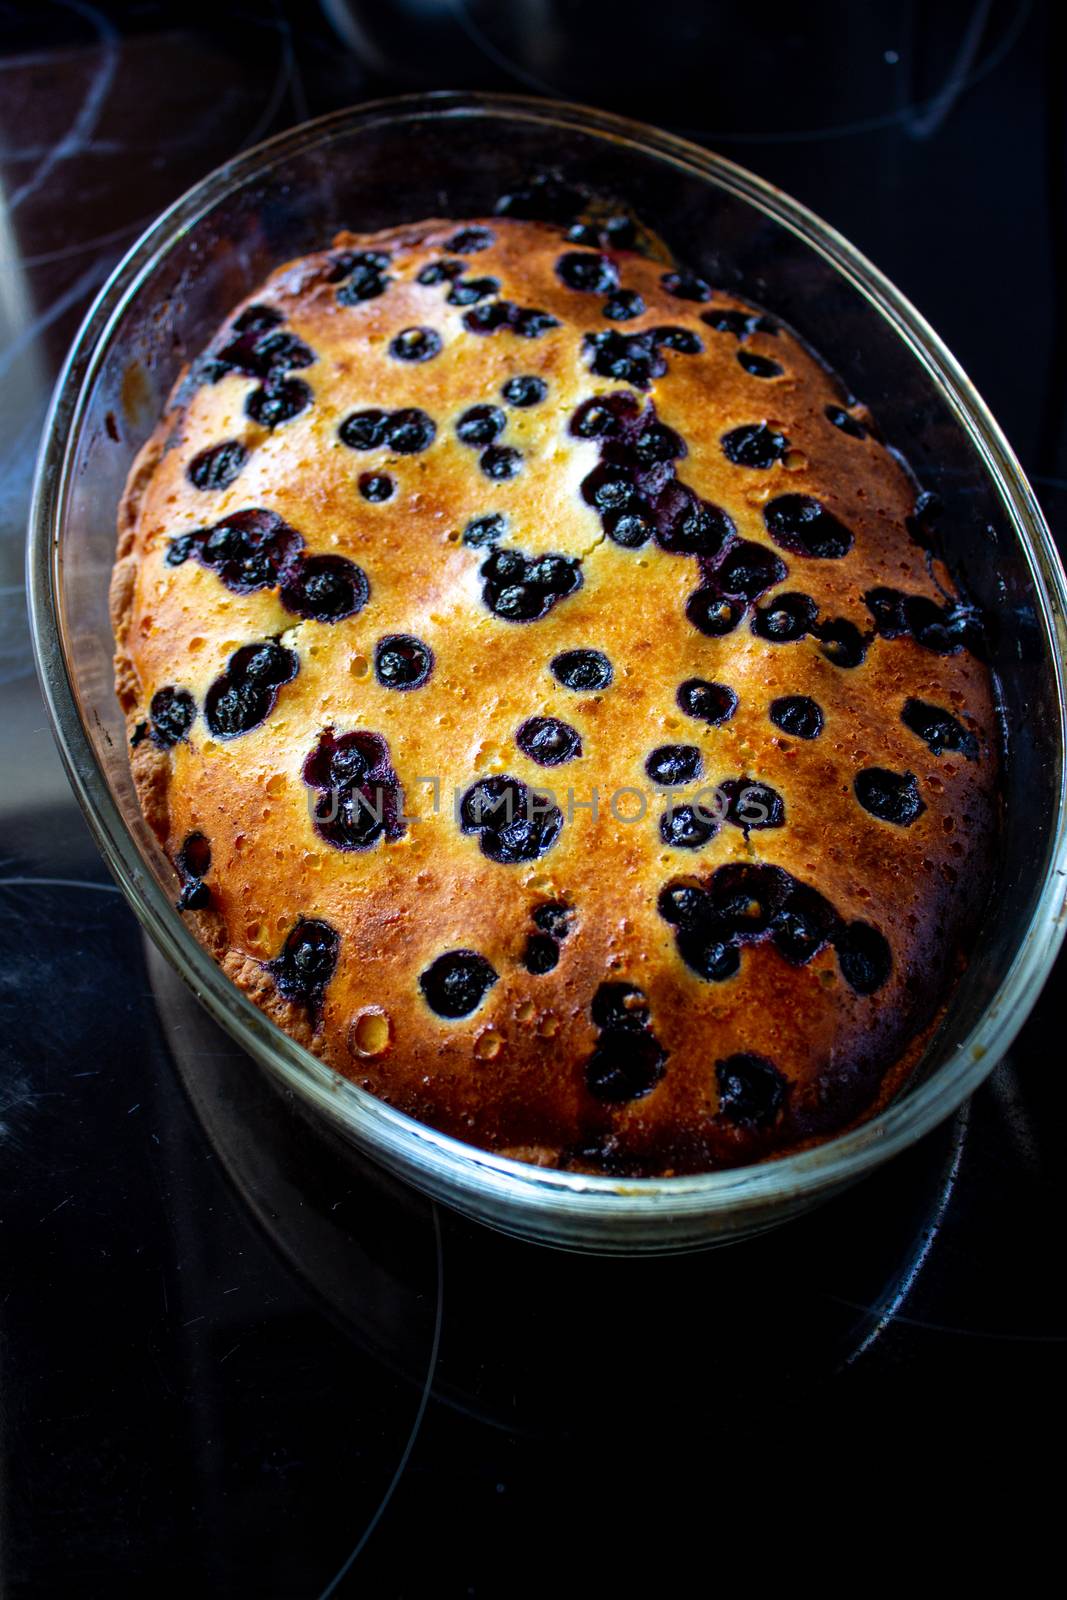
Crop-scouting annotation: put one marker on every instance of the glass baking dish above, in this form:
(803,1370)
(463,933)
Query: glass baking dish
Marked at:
(454,155)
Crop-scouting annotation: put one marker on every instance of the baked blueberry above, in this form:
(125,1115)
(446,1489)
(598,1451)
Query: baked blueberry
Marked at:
(707,702)
(682,904)
(922,521)
(541,954)
(456,983)
(514,823)
(194,896)
(278,400)
(349,764)
(786,618)
(744,897)
(482,531)
(184,545)
(754,445)
(306,963)
(712,613)
(841,642)
(690,526)
(376,487)
(628,1060)
(217,467)
(402,662)
(746,903)
(366,277)
(798,715)
(278,352)
(171,714)
(601,416)
(524,390)
(500,462)
(481,425)
(444,271)
(489,317)
(415,344)
(584,671)
(671,765)
(624,1066)
(468,291)
(890,796)
(938,729)
(548,741)
(740,323)
(686,286)
(406,431)
(554,917)
(802,525)
(655,442)
(630,529)
(805,923)
(193,864)
(353,818)
(245,694)
(360,799)
(247,550)
(709,957)
(345,262)
(759,366)
(468,241)
(864,956)
(748,570)
(624,305)
(234,708)
(530,323)
(256,347)
(525,838)
(688,827)
(520,588)
(845,421)
(325,588)
(588,272)
(931,625)
(491,802)
(256,319)
(684,340)
(752,1091)
(525,321)
(628,358)
(751,804)
(609,488)
(410,431)
(365,430)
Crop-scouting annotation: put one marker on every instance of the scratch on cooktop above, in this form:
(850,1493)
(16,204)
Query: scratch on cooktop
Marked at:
(59,1207)
(79,289)
(58,883)
(85,119)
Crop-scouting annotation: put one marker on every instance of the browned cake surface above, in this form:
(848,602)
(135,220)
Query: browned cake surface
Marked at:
(679,991)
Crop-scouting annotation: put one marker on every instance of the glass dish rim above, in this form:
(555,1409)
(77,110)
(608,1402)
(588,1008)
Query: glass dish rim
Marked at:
(442,1164)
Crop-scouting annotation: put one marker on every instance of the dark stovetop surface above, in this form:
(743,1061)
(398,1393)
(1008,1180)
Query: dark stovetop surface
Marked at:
(229,1359)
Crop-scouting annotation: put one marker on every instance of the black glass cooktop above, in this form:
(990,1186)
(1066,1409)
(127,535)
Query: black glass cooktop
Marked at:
(232,1362)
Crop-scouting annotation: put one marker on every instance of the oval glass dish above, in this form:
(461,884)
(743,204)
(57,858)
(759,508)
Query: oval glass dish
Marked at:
(453,155)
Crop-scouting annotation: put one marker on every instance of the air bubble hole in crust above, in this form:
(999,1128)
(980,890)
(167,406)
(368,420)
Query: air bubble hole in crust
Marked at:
(370,1033)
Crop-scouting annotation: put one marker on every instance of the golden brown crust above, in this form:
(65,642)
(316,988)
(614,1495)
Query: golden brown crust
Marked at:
(513,1075)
